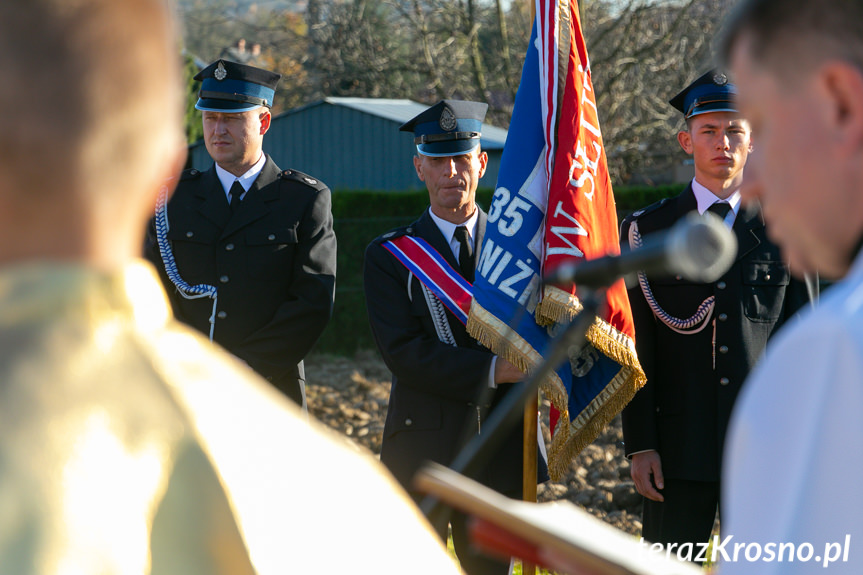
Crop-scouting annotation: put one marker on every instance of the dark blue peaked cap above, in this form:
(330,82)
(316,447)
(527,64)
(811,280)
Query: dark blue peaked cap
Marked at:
(449,128)
(712,92)
(231,87)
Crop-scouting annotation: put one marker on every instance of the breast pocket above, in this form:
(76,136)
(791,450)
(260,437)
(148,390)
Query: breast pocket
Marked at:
(194,252)
(764,290)
(270,253)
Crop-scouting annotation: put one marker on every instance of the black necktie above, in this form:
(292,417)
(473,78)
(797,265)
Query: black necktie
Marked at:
(236,191)
(721,209)
(465,253)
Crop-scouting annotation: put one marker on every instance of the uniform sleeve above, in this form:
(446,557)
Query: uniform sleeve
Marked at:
(297,324)
(411,349)
(639,416)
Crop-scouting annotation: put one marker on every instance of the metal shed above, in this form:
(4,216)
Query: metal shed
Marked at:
(354,144)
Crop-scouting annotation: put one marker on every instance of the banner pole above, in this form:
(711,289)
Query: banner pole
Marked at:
(531,420)
(531,410)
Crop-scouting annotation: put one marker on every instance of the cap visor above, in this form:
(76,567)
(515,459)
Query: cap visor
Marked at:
(713,107)
(448,148)
(213,105)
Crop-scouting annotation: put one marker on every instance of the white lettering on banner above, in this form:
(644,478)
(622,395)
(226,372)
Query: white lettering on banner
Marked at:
(512,218)
(500,199)
(493,261)
(586,99)
(487,256)
(583,169)
(561,232)
(525,272)
(498,269)
(584,174)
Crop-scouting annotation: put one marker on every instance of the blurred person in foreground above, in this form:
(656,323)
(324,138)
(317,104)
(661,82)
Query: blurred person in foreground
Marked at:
(128,443)
(698,341)
(797,435)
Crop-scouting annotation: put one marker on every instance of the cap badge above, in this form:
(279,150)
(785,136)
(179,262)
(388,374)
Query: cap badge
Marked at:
(310,181)
(220,73)
(720,79)
(447,120)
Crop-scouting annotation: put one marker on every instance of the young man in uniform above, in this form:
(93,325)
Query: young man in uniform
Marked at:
(257,240)
(697,342)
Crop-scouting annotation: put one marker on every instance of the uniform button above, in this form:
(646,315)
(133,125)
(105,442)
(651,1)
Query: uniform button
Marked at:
(222,315)
(271,237)
(723,349)
(409,422)
(766,276)
(224,279)
(720,285)
(229,247)
(724,381)
(723,316)
(190,234)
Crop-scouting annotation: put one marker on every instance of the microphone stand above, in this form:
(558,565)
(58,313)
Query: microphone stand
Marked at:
(480,448)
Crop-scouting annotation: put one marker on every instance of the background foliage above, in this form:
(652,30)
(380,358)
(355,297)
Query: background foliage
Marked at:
(642,53)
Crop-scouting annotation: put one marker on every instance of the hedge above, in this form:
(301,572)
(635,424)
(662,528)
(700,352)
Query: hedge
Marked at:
(361,216)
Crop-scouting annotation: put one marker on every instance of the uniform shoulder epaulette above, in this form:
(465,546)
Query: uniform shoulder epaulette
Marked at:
(407,230)
(190,174)
(306,179)
(647,210)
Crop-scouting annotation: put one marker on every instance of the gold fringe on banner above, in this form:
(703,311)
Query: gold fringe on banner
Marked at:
(570,437)
(557,306)
(586,426)
(506,343)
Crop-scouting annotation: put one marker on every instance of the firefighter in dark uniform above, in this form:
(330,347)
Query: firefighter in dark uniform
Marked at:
(246,250)
(697,342)
(439,370)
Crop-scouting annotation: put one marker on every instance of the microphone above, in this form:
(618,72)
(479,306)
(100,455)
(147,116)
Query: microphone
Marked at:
(699,248)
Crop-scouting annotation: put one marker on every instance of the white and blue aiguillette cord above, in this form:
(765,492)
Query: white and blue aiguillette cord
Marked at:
(187,291)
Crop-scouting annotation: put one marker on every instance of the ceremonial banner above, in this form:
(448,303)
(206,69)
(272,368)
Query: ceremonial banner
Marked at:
(553,202)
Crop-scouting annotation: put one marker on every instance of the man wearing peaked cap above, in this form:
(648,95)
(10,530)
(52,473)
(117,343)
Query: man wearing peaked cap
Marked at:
(256,239)
(231,87)
(712,92)
(444,381)
(448,128)
(697,342)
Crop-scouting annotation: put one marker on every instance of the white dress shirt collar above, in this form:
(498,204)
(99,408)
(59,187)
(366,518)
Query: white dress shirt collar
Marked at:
(448,230)
(246,180)
(705,198)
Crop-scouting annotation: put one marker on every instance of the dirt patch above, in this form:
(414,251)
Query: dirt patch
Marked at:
(350,395)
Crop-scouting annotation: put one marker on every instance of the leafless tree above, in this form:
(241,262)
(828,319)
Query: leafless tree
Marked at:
(642,52)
